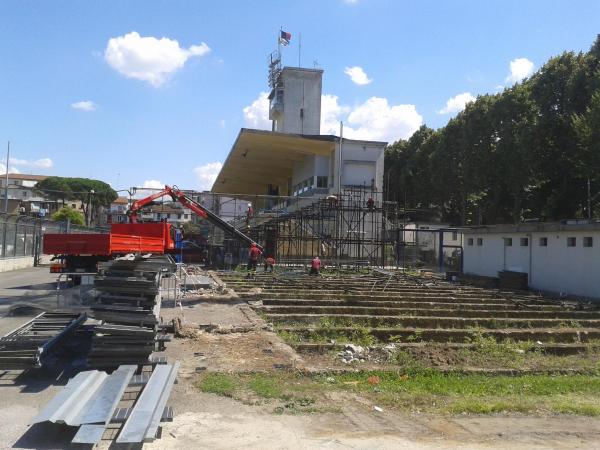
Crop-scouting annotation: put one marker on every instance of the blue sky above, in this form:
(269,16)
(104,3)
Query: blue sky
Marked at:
(88,88)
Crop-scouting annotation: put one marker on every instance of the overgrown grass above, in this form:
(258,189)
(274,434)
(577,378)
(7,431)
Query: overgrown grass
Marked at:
(416,390)
(218,383)
(266,386)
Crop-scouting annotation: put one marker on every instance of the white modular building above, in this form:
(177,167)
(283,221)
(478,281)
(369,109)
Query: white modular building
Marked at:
(562,258)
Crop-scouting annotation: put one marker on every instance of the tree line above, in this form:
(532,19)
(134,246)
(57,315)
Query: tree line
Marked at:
(92,194)
(529,152)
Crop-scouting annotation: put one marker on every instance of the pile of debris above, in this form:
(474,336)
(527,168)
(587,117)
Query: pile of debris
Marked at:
(353,353)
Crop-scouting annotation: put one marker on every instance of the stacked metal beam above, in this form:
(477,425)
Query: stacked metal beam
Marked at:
(28,346)
(128,303)
(91,401)
(114,344)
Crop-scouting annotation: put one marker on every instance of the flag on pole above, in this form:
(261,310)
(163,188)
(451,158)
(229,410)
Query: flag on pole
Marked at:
(285,38)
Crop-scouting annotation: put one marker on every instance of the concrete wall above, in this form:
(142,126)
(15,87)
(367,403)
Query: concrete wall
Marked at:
(322,166)
(554,268)
(301,101)
(303,169)
(361,161)
(21,262)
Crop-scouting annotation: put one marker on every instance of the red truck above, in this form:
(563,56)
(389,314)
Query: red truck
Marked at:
(81,252)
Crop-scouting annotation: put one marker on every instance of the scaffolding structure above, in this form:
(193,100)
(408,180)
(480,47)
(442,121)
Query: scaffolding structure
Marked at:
(353,228)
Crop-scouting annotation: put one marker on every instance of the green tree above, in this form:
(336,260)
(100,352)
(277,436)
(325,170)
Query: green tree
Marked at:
(55,188)
(67,213)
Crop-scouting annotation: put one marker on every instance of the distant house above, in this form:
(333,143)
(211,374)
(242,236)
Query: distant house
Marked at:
(23,197)
(118,210)
(169,212)
(557,257)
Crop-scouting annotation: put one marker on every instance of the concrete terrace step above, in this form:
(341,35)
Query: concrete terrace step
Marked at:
(548,348)
(340,292)
(404,303)
(394,298)
(451,335)
(434,321)
(422,310)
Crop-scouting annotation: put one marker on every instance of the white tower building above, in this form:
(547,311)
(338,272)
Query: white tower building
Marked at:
(295,101)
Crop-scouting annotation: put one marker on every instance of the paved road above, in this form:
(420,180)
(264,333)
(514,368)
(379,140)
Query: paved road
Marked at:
(35,287)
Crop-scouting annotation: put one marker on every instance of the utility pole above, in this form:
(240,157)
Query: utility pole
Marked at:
(339,174)
(589,199)
(6,178)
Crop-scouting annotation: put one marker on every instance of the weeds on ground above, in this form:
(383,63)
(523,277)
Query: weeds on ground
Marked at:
(218,383)
(417,390)
(265,386)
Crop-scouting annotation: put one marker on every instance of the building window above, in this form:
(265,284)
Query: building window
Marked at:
(571,242)
(543,242)
(524,242)
(24,194)
(508,242)
(588,241)
(480,241)
(470,241)
(455,235)
(321,182)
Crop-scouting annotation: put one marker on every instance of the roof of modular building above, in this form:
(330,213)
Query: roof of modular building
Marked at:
(537,227)
(260,157)
(24,176)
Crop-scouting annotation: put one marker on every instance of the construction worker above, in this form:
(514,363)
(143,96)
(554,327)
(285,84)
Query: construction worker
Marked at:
(371,204)
(269,264)
(315,266)
(253,256)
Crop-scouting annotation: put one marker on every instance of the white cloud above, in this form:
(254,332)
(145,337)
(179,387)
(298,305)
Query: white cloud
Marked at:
(148,58)
(12,169)
(457,103)
(520,68)
(42,163)
(256,115)
(84,105)
(222,123)
(357,75)
(207,174)
(153,184)
(331,114)
(375,119)
(149,187)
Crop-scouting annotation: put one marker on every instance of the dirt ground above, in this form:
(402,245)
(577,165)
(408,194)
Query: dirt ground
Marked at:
(239,342)
(210,421)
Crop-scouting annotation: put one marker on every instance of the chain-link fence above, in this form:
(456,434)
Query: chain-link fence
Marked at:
(22,235)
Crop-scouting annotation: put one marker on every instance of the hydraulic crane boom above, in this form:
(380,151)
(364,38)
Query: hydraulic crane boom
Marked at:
(196,207)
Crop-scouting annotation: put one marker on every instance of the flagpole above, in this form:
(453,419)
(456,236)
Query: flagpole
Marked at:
(279,43)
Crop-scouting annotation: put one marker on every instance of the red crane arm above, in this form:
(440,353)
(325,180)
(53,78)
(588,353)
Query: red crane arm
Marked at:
(174,193)
(179,196)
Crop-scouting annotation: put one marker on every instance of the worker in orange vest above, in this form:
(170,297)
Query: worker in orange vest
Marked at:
(253,256)
(269,264)
(315,266)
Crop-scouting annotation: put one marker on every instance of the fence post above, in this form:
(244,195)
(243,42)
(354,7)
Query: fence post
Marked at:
(4,236)
(441,251)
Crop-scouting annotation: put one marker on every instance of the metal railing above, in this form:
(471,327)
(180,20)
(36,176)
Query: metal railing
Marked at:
(22,235)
